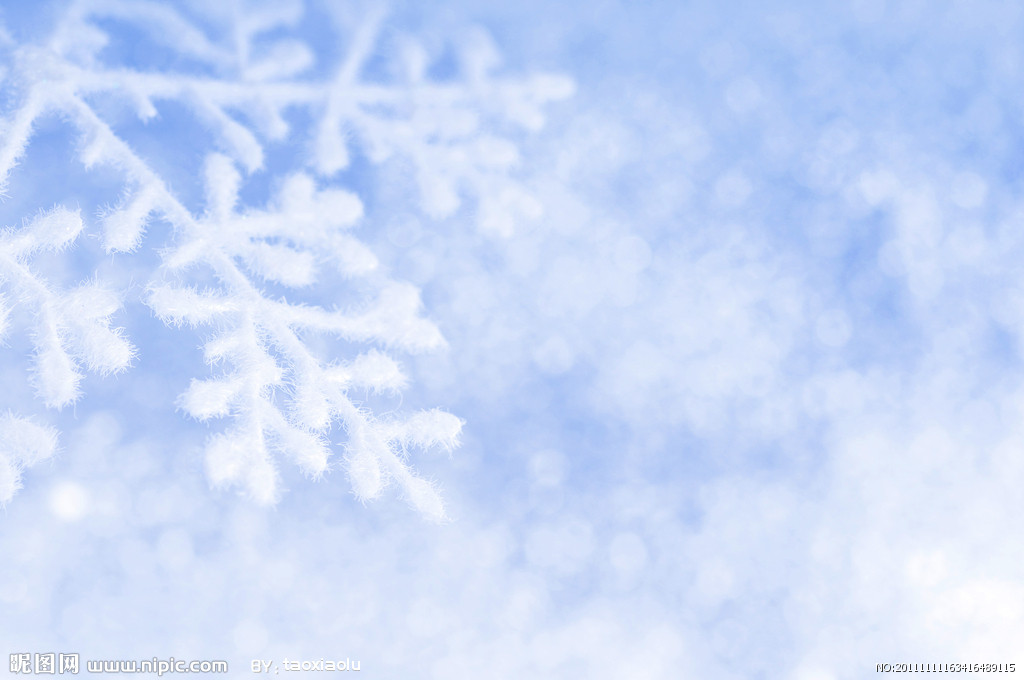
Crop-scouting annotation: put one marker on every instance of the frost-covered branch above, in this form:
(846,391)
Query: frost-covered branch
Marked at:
(439,127)
(70,327)
(258,341)
(280,397)
(22,445)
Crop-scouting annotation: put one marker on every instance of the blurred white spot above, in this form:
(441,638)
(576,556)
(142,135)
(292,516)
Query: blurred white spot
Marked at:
(473,296)
(421,265)
(508,210)
(743,95)
(933,448)
(69,501)
(572,286)
(491,548)
(111,498)
(825,174)
(548,468)
(833,328)
(925,280)
(838,139)
(878,186)
(715,582)
(523,605)
(174,549)
(732,189)
(250,637)
(554,356)
(927,570)
(730,639)
(626,291)
(155,505)
(586,642)
(807,671)
(101,432)
(279,576)
(890,259)
(969,190)
(869,11)
(13,589)
(404,233)
(479,53)
(135,558)
(987,604)
(632,254)
(641,367)
(426,618)
(968,245)
(546,500)
(565,548)
(694,144)
(834,393)
(414,60)
(919,218)
(719,58)
(665,653)
(627,553)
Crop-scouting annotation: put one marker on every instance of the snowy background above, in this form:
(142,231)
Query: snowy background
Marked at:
(735,336)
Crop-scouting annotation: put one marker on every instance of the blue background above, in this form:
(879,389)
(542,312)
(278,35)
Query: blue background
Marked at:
(743,402)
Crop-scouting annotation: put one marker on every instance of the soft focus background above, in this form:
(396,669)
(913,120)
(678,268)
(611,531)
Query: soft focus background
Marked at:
(744,402)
